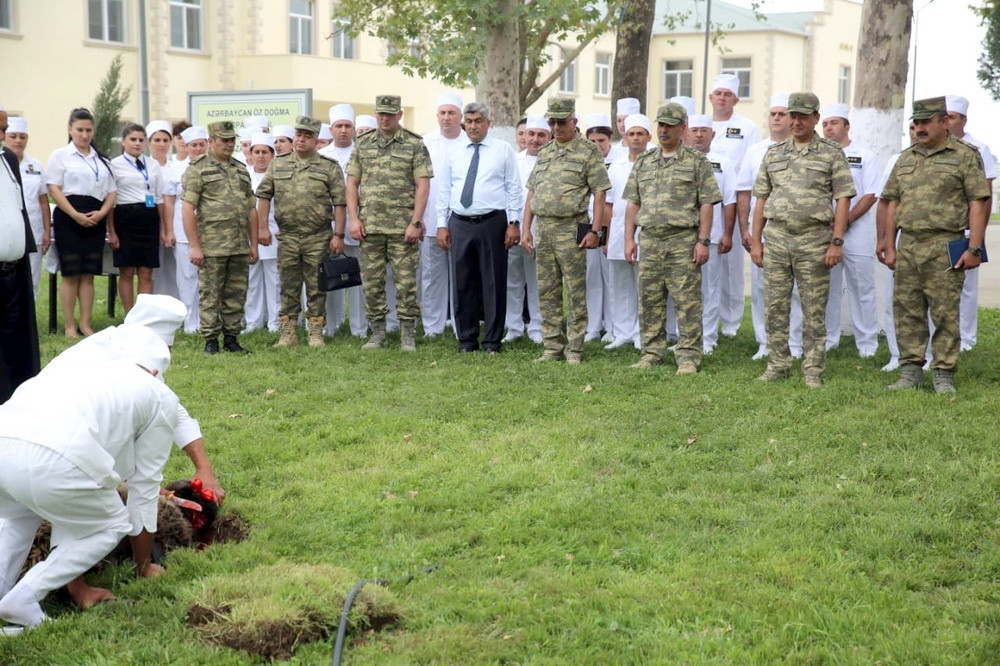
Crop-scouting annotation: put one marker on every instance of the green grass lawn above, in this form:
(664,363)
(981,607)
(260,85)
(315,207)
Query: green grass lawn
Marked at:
(652,519)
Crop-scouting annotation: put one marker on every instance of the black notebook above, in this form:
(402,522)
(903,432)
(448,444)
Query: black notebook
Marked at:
(957,248)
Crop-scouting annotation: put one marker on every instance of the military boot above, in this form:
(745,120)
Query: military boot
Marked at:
(408,336)
(911,375)
(377,339)
(286,332)
(315,326)
(944,381)
(230,344)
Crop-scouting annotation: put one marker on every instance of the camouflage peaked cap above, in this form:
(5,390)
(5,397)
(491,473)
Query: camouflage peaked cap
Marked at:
(928,108)
(308,124)
(388,104)
(222,129)
(671,114)
(803,102)
(560,109)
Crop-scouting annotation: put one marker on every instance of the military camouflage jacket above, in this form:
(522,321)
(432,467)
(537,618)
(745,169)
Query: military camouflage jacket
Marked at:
(800,183)
(565,176)
(671,191)
(222,194)
(388,170)
(304,192)
(934,187)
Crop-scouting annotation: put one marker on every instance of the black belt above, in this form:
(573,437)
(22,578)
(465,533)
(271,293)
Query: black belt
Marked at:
(476,219)
(140,204)
(6,266)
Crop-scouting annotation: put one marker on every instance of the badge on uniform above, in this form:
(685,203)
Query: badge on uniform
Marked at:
(734,133)
(338,271)
(854,161)
(150,200)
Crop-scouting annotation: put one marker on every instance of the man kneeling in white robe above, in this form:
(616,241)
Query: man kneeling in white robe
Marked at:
(68,438)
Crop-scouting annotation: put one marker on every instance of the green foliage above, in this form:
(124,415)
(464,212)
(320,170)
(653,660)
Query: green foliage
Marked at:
(109,103)
(989,60)
(717,31)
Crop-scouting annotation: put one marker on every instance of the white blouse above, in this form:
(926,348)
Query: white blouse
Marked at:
(133,184)
(81,174)
(266,251)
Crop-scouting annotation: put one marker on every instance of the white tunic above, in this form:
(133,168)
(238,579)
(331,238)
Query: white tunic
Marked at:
(618,174)
(748,171)
(173,174)
(866,172)
(265,251)
(438,147)
(989,163)
(80,174)
(343,156)
(34,187)
(734,137)
(725,177)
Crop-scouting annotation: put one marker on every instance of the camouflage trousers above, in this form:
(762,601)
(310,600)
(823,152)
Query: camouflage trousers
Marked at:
(377,250)
(299,257)
(222,291)
(667,269)
(561,263)
(923,282)
(790,259)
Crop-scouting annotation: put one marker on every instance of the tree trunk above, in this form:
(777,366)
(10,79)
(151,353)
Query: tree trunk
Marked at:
(499,80)
(632,52)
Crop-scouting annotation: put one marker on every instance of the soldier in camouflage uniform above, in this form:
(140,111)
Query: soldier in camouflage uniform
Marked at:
(308,192)
(568,170)
(935,192)
(671,193)
(392,169)
(798,179)
(220,218)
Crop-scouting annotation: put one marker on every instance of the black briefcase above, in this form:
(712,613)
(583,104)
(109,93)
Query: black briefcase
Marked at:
(338,271)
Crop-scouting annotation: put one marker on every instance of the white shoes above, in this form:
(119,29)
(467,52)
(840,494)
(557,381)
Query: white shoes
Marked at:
(761,353)
(893,364)
(535,337)
(618,342)
(866,353)
(591,336)
(20,607)
(608,337)
(796,353)
(511,336)
(707,350)
(965,347)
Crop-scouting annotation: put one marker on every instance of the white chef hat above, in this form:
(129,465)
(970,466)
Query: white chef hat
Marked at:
(160,313)
(699,120)
(729,82)
(286,131)
(262,139)
(536,121)
(449,99)
(365,121)
(245,134)
(140,344)
(592,120)
(17,124)
(780,100)
(627,106)
(194,133)
(835,111)
(256,122)
(685,101)
(324,132)
(159,126)
(340,112)
(956,104)
(637,120)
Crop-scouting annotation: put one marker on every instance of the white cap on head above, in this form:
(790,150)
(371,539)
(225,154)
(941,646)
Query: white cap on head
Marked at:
(324,132)
(956,104)
(155,126)
(141,345)
(194,133)
(245,133)
(536,121)
(256,122)
(592,120)
(262,139)
(286,131)
(17,124)
(779,100)
(449,99)
(364,121)
(340,112)
(158,312)
(835,111)
(627,106)
(637,120)
(729,82)
(685,101)
(699,120)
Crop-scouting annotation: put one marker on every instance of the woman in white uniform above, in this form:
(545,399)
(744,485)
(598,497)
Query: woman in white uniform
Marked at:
(263,297)
(36,194)
(159,138)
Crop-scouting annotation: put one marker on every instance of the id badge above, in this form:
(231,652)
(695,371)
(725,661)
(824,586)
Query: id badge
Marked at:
(150,201)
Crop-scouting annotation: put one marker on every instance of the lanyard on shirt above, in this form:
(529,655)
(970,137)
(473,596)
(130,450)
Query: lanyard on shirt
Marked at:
(143,170)
(96,169)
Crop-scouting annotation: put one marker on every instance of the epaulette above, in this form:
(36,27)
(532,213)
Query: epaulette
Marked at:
(968,145)
(783,143)
(366,137)
(328,158)
(832,144)
(197,159)
(283,156)
(412,133)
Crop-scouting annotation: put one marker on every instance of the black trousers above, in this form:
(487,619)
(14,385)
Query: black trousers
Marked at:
(480,262)
(19,358)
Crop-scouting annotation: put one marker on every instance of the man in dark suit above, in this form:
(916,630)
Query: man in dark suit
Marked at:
(19,359)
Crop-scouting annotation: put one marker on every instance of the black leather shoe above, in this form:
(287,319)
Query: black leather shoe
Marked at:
(212,346)
(230,344)
(466,349)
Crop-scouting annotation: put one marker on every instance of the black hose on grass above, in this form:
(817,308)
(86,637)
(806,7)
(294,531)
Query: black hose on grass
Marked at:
(338,646)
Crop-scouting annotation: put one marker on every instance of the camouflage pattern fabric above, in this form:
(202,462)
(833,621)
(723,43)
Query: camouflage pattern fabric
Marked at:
(800,183)
(222,291)
(934,187)
(671,191)
(377,251)
(564,177)
(667,268)
(304,192)
(561,263)
(223,197)
(388,170)
(299,257)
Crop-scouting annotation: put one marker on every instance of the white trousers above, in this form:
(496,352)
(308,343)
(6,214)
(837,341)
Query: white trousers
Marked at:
(855,274)
(263,296)
(165,276)
(625,304)
(38,484)
(757,310)
(968,308)
(599,294)
(435,285)
(35,261)
(187,286)
(886,280)
(731,296)
(712,276)
(355,299)
(522,273)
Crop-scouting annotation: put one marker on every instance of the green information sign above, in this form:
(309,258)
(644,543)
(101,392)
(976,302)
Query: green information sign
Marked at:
(280,107)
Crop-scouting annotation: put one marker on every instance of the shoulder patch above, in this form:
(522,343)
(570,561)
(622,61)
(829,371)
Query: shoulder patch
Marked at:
(828,142)
(412,133)
(197,159)
(328,159)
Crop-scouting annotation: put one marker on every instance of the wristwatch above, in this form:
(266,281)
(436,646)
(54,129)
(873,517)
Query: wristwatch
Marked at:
(514,223)
(417,223)
(705,241)
(338,235)
(837,242)
(975,251)
(591,231)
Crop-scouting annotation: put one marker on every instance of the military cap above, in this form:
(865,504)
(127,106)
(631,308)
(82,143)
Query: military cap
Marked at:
(388,104)
(928,108)
(222,129)
(307,124)
(560,108)
(803,102)
(671,114)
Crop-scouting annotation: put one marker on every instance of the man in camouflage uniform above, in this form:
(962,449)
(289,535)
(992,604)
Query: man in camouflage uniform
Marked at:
(798,178)
(220,218)
(388,181)
(308,192)
(568,170)
(671,193)
(936,191)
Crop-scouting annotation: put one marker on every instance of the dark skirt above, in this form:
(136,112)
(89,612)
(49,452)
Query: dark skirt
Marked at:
(138,231)
(81,249)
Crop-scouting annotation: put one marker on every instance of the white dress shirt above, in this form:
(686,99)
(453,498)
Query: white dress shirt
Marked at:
(133,184)
(12,240)
(80,174)
(498,181)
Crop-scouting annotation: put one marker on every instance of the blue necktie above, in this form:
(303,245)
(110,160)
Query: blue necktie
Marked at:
(470,178)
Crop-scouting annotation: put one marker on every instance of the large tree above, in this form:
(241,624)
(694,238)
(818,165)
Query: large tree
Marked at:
(989,60)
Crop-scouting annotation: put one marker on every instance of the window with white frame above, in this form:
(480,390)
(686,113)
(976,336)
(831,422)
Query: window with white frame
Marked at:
(300,27)
(185,24)
(106,20)
(567,80)
(741,68)
(343,43)
(6,14)
(844,85)
(677,78)
(602,74)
